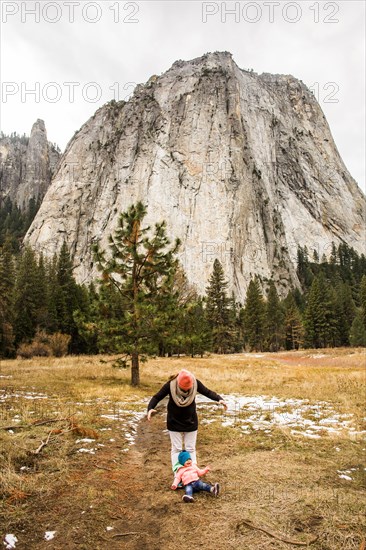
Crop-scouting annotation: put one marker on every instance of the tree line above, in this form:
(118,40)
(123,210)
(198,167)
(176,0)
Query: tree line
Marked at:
(142,303)
(15,222)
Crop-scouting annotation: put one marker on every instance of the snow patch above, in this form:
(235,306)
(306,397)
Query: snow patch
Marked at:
(263,413)
(127,419)
(90,451)
(10,541)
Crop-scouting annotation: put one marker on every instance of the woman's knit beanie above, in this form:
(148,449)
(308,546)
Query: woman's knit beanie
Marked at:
(185,380)
(183,457)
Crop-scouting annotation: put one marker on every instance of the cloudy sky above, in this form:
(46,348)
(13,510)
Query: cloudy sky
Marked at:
(62,60)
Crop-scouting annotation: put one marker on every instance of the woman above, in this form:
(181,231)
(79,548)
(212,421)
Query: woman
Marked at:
(182,420)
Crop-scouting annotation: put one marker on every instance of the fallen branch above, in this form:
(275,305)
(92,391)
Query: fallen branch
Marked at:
(50,421)
(43,444)
(282,538)
(36,423)
(125,534)
(103,467)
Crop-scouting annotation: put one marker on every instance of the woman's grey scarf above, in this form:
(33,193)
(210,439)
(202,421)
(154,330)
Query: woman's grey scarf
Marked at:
(180,397)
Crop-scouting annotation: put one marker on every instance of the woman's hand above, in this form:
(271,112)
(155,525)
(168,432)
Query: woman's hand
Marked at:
(222,402)
(150,413)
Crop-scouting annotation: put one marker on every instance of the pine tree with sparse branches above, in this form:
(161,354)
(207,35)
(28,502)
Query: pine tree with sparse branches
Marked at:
(139,266)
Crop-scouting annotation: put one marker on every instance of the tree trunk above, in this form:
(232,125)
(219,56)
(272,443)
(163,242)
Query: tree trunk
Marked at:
(135,371)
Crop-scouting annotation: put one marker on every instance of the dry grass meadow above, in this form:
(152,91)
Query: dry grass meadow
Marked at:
(81,467)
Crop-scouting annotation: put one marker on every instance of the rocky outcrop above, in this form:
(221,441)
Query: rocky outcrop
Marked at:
(27,166)
(242,167)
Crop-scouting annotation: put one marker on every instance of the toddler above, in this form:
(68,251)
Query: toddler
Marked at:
(189,475)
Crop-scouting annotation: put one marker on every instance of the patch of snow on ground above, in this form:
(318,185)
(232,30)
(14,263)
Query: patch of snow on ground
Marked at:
(10,541)
(128,419)
(21,395)
(312,420)
(90,451)
(342,474)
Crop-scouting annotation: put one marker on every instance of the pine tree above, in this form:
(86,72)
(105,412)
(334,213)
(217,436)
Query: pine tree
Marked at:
(319,315)
(293,327)
(303,267)
(53,292)
(195,332)
(140,269)
(6,300)
(274,320)
(363,298)
(344,313)
(254,316)
(69,297)
(357,334)
(27,295)
(88,321)
(218,310)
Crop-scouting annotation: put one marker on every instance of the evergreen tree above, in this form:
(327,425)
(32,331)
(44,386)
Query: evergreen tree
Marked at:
(254,316)
(293,327)
(234,323)
(274,320)
(26,296)
(140,269)
(6,300)
(195,336)
(319,314)
(363,299)
(218,310)
(344,313)
(53,292)
(69,297)
(88,320)
(303,267)
(357,334)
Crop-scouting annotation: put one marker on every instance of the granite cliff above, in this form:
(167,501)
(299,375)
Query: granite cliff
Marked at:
(26,166)
(243,168)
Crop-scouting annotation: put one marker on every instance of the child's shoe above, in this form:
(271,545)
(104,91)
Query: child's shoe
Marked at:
(215,490)
(187,498)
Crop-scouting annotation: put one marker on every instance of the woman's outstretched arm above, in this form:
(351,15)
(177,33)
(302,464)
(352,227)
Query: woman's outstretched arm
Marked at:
(163,392)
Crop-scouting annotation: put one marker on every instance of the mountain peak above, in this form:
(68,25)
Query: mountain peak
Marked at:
(242,167)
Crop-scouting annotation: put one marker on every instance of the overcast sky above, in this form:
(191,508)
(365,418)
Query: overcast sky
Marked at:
(77,55)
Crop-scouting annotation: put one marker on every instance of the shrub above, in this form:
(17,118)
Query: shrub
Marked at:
(45,345)
(59,343)
(34,349)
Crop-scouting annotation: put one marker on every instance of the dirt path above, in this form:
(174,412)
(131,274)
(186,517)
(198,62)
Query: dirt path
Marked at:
(157,517)
(123,500)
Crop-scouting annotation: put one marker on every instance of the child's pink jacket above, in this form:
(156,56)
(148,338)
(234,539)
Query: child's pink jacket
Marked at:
(187,474)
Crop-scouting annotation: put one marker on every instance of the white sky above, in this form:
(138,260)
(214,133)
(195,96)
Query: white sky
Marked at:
(320,42)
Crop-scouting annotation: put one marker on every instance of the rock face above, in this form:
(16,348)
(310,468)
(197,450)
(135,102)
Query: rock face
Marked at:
(26,166)
(242,167)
